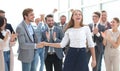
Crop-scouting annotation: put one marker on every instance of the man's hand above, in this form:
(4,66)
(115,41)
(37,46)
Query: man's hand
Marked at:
(95,30)
(55,10)
(47,35)
(42,17)
(40,45)
(71,10)
(54,36)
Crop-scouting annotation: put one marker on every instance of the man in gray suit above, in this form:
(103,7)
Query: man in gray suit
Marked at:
(53,56)
(62,24)
(96,29)
(27,41)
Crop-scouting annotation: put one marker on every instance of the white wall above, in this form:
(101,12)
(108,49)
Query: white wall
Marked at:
(14,8)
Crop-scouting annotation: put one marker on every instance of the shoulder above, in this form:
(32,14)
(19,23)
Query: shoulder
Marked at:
(57,28)
(86,27)
(20,27)
(69,30)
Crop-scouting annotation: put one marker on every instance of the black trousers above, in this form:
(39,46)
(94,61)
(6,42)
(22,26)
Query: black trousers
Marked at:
(76,60)
(53,61)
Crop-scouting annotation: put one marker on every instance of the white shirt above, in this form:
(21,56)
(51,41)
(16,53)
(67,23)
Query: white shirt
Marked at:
(78,37)
(6,43)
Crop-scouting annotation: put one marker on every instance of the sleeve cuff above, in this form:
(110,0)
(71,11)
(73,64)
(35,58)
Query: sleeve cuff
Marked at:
(98,34)
(35,46)
(55,39)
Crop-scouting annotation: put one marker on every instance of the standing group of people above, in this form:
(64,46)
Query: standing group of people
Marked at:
(46,42)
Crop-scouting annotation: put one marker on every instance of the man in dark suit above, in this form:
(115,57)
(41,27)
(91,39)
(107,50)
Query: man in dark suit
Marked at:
(53,56)
(8,26)
(96,29)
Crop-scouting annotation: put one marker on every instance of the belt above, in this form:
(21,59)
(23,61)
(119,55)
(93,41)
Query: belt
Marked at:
(51,53)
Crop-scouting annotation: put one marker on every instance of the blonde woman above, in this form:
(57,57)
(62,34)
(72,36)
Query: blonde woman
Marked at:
(112,46)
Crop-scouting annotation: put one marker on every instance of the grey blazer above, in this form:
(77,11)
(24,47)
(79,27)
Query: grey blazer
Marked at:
(26,44)
(59,36)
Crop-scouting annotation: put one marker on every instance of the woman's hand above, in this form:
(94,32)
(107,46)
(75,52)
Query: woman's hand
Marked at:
(13,37)
(93,64)
(12,43)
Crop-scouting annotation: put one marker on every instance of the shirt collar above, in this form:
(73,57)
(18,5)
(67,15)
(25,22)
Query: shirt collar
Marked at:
(28,25)
(96,24)
(61,24)
(51,28)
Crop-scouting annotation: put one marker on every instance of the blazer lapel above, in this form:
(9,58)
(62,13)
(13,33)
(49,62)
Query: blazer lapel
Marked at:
(27,32)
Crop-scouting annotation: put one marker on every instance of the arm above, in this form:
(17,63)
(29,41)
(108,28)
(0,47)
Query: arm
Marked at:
(56,45)
(93,64)
(62,44)
(91,46)
(103,34)
(22,39)
(115,44)
(58,35)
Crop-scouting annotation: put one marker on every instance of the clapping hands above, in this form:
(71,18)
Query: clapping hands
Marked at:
(13,36)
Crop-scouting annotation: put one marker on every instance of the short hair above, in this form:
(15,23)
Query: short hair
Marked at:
(103,11)
(62,16)
(49,15)
(1,11)
(97,13)
(26,12)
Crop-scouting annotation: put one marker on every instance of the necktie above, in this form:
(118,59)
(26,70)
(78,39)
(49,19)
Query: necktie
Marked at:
(94,25)
(62,27)
(51,40)
(94,34)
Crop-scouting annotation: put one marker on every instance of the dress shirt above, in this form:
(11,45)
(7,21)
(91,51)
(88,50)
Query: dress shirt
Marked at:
(78,37)
(31,32)
(51,29)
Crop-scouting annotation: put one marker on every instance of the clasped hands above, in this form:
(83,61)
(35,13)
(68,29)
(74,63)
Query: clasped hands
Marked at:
(42,44)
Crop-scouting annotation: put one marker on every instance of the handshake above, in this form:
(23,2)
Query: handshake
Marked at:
(42,44)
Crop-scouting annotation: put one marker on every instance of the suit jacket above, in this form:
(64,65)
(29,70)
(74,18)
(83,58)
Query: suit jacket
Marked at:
(59,36)
(64,26)
(8,26)
(98,40)
(26,44)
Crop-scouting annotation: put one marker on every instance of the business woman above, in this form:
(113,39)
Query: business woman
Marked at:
(77,34)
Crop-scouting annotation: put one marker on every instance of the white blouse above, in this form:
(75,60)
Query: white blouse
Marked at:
(78,37)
